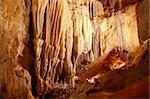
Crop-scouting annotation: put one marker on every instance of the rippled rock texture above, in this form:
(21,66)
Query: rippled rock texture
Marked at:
(45,44)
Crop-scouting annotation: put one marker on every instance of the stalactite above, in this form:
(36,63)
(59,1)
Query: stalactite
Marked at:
(74,41)
(57,40)
(53,42)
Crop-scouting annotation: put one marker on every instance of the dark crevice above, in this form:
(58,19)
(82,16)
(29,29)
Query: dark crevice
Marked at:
(31,36)
(92,11)
(43,72)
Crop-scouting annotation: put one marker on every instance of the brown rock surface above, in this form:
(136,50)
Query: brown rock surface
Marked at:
(63,38)
(15,80)
(143,19)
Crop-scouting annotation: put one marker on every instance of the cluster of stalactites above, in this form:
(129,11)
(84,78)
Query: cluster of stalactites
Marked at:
(53,40)
(69,32)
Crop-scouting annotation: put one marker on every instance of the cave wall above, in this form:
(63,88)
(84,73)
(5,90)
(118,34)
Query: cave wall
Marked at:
(143,19)
(87,29)
(114,24)
(15,59)
(80,32)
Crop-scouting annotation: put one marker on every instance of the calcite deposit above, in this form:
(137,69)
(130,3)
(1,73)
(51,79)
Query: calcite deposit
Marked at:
(50,48)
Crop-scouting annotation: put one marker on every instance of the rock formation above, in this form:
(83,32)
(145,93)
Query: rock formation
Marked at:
(47,45)
(15,57)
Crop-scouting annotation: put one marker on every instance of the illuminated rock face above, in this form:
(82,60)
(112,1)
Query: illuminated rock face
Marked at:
(120,30)
(113,25)
(66,35)
(83,30)
(53,41)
